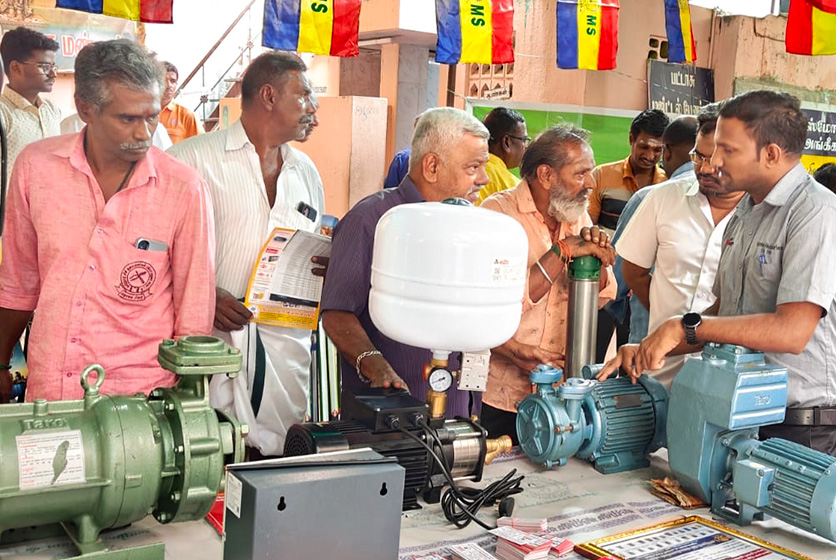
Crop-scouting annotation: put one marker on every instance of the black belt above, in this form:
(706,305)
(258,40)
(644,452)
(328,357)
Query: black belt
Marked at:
(815,416)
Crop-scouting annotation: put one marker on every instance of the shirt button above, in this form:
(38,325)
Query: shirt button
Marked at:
(69,374)
(92,267)
(99,231)
(78,303)
(73,340)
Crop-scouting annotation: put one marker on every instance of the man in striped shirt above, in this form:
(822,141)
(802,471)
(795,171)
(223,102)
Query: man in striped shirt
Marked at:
(258,182)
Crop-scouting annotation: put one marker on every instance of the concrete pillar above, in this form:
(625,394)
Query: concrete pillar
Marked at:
(413,98)
(389,90)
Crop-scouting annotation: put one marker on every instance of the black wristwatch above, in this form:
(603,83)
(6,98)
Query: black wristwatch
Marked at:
(690,322)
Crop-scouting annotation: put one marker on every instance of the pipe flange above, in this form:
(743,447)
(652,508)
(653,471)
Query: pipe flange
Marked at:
(545,375)
(576,388)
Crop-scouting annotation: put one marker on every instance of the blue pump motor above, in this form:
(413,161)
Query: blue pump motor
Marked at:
(613,424)
(718,403)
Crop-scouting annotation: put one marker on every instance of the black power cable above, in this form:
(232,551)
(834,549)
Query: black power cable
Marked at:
(460,505)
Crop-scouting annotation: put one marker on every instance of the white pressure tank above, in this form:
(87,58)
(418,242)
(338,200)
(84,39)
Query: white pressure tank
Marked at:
(448,277)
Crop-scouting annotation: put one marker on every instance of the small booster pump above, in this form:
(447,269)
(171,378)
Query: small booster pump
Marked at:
(613,424)
(106,460)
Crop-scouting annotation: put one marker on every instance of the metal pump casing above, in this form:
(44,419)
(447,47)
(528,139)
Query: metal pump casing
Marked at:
(108,460)
(718,402)
(613,424)
(584,284)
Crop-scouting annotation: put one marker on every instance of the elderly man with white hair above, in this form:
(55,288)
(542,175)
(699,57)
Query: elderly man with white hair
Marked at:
(449,153)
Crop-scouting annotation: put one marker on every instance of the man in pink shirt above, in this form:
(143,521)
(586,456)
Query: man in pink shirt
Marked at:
(109,238)
(550,203)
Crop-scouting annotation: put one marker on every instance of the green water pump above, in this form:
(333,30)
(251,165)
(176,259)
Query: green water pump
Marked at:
(106,460)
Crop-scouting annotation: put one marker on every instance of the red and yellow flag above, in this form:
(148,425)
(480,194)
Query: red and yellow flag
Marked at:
(474,31)
(587,34)
(148,11)
(320,27)
(824,5)
(810,31)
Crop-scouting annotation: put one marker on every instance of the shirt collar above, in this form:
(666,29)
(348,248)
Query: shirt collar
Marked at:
(693,187)
(73,150)
(19,101)
(409,191)
(793,179)
(523,198)
(237,139)
(627,170)
(682,170)
(627,173)
(496,160)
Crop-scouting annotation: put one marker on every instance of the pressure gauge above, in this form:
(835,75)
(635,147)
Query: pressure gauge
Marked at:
(440,380)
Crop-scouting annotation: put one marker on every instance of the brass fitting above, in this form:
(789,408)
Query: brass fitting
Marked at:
(497,446)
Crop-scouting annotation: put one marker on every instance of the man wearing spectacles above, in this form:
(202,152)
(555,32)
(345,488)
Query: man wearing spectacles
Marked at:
(509,139)
(775,289)
(678,229)
(29,62)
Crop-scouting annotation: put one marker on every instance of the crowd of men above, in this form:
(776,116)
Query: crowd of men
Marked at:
(117,244)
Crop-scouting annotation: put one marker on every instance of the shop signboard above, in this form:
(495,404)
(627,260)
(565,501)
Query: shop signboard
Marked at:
(678,89)
(820,146)
(72,29)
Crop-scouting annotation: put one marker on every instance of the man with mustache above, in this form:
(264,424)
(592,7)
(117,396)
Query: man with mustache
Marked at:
(775,287)
(110,239)
(551,204)
(29,62)
(678,229)
(448,157)
(314,119)
(258,183)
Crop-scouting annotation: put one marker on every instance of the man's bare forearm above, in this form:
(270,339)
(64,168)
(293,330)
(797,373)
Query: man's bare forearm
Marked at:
(350,338)
(637,279)
(12,325)
(788,330)
(538,285)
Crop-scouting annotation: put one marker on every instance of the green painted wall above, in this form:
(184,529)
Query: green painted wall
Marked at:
(609,134)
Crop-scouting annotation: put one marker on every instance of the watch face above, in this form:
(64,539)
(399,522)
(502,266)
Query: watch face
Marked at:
(691,319)
(440,380)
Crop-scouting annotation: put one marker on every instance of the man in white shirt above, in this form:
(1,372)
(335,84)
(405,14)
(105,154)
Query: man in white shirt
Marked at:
(29,63)
(679,229)
(258,183)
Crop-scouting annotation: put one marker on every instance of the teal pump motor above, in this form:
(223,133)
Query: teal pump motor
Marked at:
(613,424)
(106,461)
(718,403)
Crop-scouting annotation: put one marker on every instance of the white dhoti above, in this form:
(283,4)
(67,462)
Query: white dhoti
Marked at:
(270,394)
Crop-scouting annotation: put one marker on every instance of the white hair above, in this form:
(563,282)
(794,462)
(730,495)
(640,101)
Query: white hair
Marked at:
(441,130)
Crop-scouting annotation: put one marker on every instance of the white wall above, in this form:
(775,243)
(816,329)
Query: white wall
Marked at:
(198,24)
